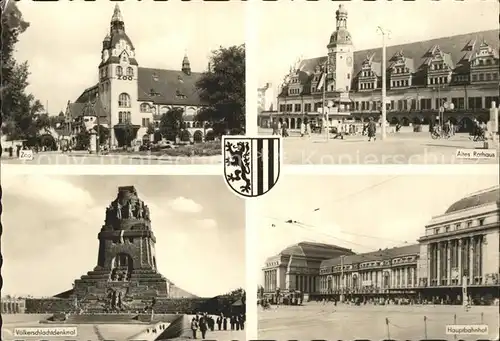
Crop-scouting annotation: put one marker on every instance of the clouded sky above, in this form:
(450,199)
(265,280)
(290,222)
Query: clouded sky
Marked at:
(51,226)
(388,209)
(290,29)
(64,41)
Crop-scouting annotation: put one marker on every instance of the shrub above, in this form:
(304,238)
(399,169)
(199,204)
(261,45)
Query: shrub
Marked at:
(210,136)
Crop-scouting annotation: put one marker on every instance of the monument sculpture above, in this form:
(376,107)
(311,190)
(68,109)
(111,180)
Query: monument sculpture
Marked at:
(125,277)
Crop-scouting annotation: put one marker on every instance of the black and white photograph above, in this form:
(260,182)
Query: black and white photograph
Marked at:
(326,68)
(379,257)
(122,258)
(121,82)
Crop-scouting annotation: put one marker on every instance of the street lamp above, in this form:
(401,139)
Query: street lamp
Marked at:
(342,278)
(384,109)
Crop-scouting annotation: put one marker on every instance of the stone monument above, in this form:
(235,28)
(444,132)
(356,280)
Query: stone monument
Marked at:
(126,276)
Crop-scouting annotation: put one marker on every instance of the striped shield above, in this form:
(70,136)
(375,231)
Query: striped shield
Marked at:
(251,164)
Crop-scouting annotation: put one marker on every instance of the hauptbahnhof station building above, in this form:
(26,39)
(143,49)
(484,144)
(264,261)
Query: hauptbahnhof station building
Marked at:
(458,248)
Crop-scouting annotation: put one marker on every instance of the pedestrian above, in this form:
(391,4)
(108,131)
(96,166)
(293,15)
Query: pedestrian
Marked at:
(203,326)
(194,327)
(219,322)
(275,128)
(284,129)
(302,129)
(242,321)
(372,130)
(224,322)
(308,129)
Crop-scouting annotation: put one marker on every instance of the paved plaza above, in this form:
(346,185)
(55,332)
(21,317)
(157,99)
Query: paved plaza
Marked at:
(318,321)
(398,148)
(84,158)
(118,332)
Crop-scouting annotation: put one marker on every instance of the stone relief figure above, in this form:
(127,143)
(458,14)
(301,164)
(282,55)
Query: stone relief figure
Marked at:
(146,212)
(140,210)
(118,210)
(130,210)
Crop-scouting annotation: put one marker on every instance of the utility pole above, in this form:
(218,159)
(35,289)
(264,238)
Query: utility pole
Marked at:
(98,138)
(384,76)
(342,278)
(324,106)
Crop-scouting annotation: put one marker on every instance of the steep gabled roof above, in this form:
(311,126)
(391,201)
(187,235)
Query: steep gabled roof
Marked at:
(172,87)
(456,50)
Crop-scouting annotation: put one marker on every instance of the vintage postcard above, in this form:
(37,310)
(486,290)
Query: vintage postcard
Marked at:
(122,258)
(370,257)
(121,83)
(380,82)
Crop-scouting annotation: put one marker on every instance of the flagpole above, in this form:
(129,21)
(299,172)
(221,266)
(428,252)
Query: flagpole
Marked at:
(327,123)
(384,108)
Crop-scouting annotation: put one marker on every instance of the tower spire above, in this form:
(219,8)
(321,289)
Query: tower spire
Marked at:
(186,65)
(117,20)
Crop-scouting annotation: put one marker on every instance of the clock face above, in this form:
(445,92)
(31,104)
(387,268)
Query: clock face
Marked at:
(349,61)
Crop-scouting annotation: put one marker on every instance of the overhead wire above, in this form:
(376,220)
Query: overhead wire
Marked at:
(313,228)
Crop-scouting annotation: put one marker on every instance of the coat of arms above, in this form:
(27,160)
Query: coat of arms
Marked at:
(251,164)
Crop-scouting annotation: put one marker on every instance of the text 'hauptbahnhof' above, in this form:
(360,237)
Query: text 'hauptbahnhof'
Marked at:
(459,250)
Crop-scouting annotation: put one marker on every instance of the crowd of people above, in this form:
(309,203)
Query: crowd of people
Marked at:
(205,322)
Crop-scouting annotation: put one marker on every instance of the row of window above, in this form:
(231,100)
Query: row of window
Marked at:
(455,227)
(119,71)
(366,86)
(401,83)
(484,77)
(411,104)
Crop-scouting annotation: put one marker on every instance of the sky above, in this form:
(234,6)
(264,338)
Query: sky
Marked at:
(289,30)
(390,210)
(51,225)
(64,41)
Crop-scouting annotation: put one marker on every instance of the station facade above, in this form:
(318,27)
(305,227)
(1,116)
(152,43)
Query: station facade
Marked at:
(421,78)
(458,248)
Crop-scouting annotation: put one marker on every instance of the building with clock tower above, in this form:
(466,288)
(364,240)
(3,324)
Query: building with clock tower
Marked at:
(130,99)
(118,72)
(422,77)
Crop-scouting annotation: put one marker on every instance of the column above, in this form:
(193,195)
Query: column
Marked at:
(438,270)
(471,260)
(448,266)
(459,262)
(480,258)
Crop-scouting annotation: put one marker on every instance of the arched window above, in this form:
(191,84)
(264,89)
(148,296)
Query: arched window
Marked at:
(119,71)
(124,100)
(144,107)
(130,71)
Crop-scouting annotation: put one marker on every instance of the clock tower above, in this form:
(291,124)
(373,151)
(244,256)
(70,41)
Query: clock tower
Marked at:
(340,55)
(118,73)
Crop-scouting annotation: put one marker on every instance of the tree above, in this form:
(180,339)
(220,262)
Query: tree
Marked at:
(103,134)
(171,123)
(151,129)
(223,89)
(19,109)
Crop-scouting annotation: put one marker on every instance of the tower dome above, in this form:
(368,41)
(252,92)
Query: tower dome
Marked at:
(341,35)
(341,10)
